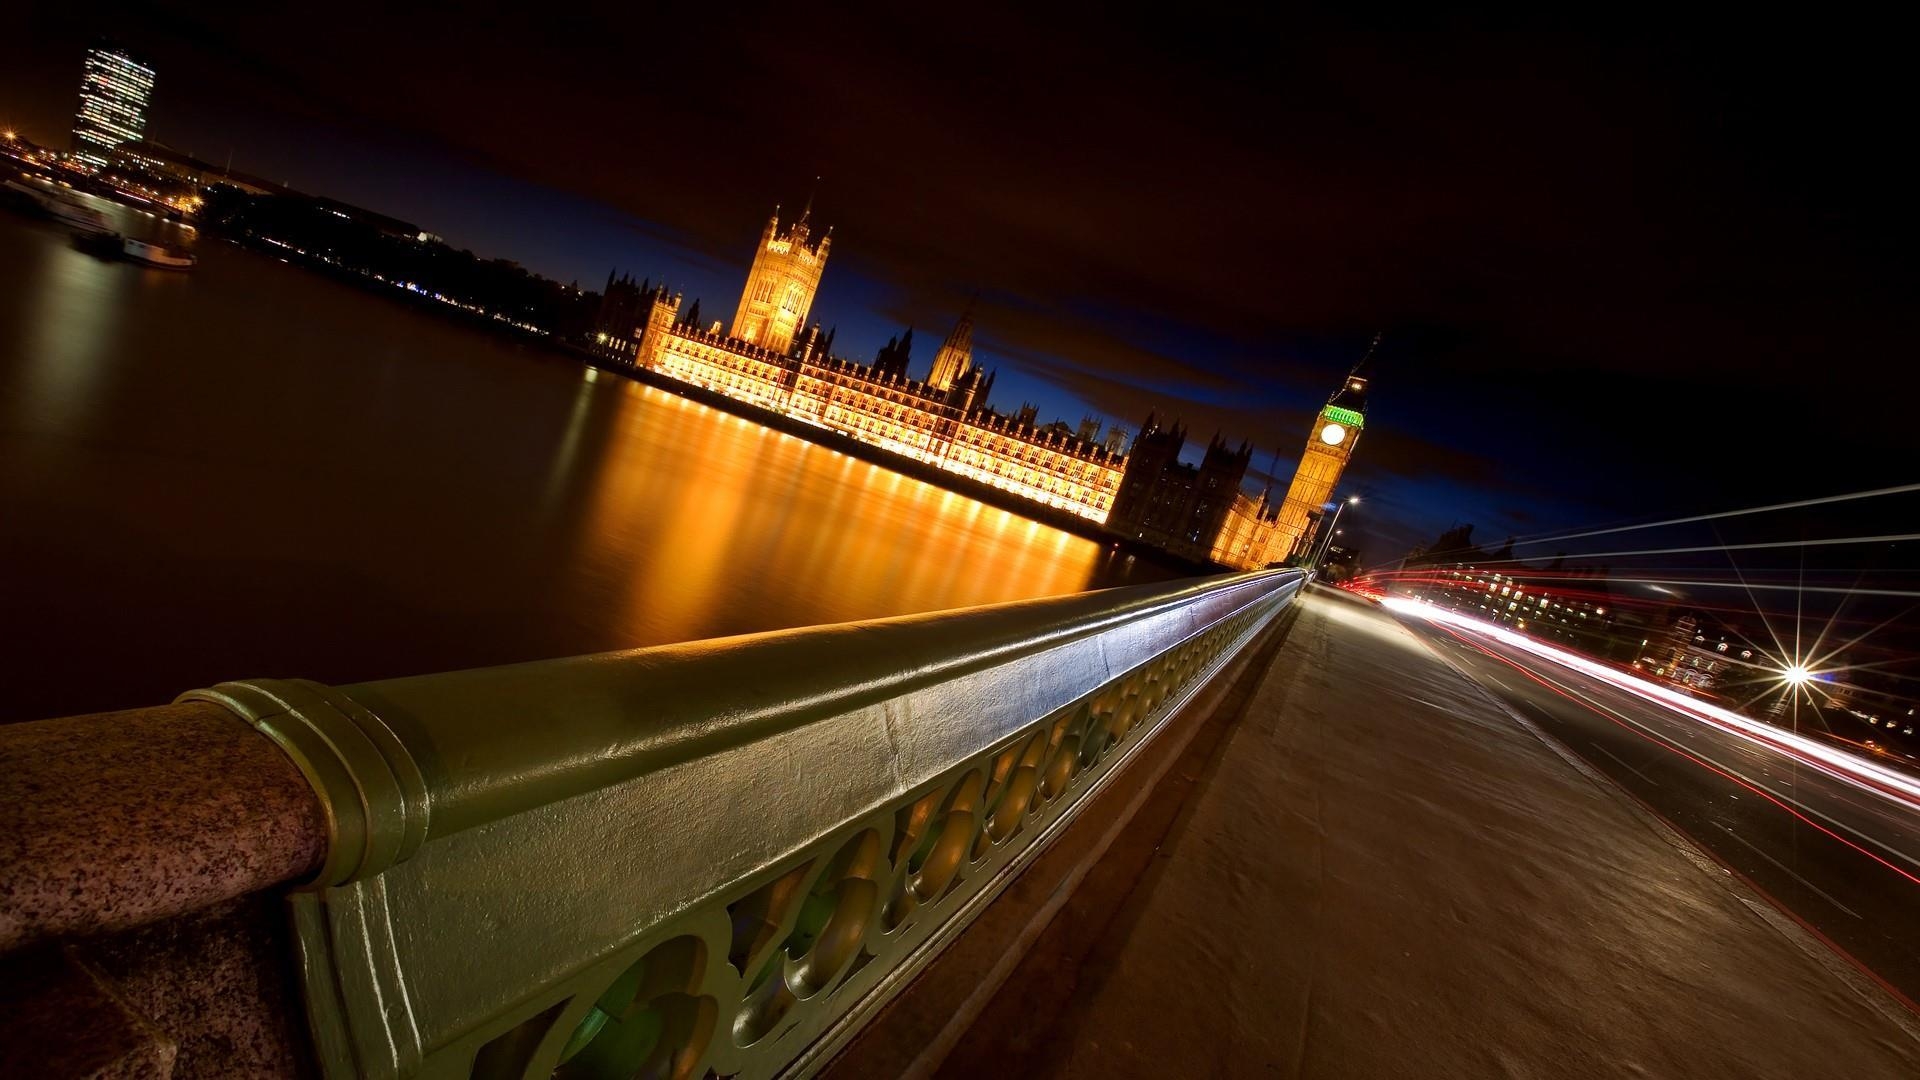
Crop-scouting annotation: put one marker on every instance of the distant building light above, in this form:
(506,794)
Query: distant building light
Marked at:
(113,105)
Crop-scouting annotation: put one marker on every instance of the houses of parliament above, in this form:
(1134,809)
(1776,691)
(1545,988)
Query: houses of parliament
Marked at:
(772,357)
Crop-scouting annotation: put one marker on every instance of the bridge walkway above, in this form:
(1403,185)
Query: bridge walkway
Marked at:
(1378,872)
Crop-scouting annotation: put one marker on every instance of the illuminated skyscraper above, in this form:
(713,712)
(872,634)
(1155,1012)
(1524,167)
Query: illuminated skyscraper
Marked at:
(780,287)
(114,89)
(1329,448)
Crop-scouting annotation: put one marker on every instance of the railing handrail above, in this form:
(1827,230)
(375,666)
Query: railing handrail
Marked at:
(500,740)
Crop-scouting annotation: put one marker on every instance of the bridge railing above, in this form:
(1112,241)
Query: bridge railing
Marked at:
(721,856)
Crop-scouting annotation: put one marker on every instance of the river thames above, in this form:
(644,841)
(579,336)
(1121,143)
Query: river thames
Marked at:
(253,470)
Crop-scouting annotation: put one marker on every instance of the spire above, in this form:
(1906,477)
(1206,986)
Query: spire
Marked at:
(956,356)
(1353,392)
(1364,368)
(807,211)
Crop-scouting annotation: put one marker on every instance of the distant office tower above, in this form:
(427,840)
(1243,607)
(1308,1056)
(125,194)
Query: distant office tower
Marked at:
(780,287)
(114,89)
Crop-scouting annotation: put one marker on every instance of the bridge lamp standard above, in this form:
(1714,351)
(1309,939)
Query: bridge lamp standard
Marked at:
(1327,544)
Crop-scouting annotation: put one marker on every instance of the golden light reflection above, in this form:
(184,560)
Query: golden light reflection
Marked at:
(700,519)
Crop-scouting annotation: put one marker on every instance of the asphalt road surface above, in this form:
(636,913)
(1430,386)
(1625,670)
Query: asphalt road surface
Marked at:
(1843,862)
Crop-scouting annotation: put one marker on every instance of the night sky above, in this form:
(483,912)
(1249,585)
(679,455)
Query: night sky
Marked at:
(1626,269)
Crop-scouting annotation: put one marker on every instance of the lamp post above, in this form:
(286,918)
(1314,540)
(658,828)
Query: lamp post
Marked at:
(1327,543)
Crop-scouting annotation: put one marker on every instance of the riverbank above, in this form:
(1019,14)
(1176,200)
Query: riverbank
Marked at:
(833,440)
(427,301)
(887,459)
(252,469)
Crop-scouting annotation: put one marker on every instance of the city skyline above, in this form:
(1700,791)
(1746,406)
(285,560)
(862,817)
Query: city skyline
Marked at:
(1239,332)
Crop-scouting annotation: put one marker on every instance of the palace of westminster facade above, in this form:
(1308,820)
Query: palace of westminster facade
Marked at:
(772,358)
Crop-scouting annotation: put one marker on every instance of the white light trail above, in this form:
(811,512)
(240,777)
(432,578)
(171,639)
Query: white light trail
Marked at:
(1901,489)
(1798,504)
(1837,541)
(1889,784)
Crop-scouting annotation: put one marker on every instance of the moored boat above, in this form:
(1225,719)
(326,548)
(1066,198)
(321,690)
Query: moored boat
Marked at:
(148,253)
(17,196)
(63,206)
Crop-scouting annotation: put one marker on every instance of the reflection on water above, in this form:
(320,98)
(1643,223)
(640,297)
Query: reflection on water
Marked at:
(249,470)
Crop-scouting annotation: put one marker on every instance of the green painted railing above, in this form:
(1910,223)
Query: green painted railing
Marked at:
(715,857)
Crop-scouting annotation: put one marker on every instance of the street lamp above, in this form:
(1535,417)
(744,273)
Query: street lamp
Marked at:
(1327,544)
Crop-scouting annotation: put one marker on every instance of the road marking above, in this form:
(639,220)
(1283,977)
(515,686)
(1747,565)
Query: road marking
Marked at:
(1421,701)
(1783,867)
(1623,764)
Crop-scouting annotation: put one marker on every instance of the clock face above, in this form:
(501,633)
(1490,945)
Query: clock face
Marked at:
(1333,434)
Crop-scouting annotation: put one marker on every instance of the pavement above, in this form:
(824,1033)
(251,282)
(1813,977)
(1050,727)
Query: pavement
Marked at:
(1381,872)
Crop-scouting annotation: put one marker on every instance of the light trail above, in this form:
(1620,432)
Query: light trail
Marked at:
(1823,500)
(1731,773)
(1906,593)
(1837,541)
(1566,582)
(1798,504)
(1848,768)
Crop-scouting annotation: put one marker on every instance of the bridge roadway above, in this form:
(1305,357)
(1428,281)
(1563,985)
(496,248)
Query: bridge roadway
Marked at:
(1376,871)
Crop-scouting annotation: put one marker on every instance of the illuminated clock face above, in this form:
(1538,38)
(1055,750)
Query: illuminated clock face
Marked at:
(1333,434)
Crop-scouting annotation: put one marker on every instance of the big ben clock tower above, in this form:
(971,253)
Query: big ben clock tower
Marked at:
(1329,447)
